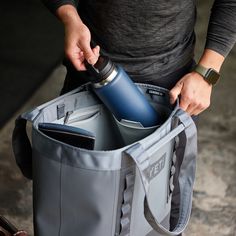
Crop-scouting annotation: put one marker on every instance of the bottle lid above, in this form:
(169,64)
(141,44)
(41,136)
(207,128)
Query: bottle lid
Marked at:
(100,70)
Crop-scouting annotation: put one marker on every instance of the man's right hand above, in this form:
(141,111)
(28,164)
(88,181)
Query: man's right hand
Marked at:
(77,38)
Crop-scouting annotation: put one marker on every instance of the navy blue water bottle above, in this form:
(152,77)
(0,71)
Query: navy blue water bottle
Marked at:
(121,96)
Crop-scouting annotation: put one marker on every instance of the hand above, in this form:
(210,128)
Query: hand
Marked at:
(77,45)
(194,93)
(77,38)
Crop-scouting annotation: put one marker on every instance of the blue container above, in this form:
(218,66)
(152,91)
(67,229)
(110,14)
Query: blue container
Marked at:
(121,96)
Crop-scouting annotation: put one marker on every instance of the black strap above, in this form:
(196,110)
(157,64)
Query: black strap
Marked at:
(22,147)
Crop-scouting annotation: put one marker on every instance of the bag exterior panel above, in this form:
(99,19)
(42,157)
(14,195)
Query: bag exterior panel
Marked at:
(88,201)
(46,195)
(70,199)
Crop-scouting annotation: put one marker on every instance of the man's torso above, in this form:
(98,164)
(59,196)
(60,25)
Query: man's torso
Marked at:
(149,38)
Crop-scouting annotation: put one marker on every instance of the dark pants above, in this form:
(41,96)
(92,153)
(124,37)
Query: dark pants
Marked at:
(75,78)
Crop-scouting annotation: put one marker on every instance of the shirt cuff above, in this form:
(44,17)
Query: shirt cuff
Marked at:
(53,5)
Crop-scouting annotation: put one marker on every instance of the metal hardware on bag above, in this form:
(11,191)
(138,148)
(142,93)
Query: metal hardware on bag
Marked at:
(60,111)
(67,116)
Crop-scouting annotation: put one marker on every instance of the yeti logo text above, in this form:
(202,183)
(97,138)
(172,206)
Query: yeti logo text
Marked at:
(156,167)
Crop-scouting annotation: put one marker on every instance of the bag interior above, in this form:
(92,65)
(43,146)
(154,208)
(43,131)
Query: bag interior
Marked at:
(109,133)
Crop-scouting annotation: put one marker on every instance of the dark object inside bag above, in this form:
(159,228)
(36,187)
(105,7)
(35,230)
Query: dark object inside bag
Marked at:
(71,135)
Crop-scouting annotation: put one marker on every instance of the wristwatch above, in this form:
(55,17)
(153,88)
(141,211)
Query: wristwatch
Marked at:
(209,74)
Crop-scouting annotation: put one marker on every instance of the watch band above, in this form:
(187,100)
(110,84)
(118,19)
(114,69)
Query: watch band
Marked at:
(209,74)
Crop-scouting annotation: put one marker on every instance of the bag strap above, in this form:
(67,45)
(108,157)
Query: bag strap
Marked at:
(20,142)
(187,133)
(21,145)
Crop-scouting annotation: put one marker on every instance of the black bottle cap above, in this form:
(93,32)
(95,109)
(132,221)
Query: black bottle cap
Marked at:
(100,70)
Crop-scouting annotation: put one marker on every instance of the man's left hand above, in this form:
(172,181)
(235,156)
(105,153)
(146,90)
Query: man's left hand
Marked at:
(194,93)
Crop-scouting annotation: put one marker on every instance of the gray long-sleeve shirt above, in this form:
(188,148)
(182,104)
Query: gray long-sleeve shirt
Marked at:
(150,38)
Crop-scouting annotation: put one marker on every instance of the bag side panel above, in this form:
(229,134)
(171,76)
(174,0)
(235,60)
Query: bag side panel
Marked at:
(159,173)
(46,195)
(88,202)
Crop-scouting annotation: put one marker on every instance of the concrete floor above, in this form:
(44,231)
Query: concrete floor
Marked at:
(214,203)
(15,190)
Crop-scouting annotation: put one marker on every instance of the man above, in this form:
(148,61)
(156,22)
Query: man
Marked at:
(153,41)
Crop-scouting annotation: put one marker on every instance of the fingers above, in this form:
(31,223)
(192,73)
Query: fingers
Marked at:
(77,46)
(189,102)
(200,108)
(184,103)
(91,55)
(193,103)
(194,94)
(175,92)
(96,51)
(77,57)
(79,61)
(192,108)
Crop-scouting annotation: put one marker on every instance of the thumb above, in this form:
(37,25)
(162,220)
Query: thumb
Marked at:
(96,51)
(175,91)
(89,54)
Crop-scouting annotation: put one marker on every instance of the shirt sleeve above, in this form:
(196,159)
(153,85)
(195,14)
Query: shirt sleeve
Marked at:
(221,35)
(52,5)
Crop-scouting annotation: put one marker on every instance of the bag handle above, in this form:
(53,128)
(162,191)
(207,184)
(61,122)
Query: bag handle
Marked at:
(20,142)
(187,134)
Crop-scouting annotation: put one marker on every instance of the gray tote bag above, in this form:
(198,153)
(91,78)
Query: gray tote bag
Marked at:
(121,188)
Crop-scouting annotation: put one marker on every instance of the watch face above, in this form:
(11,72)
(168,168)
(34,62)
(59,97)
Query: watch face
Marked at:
(212,76)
